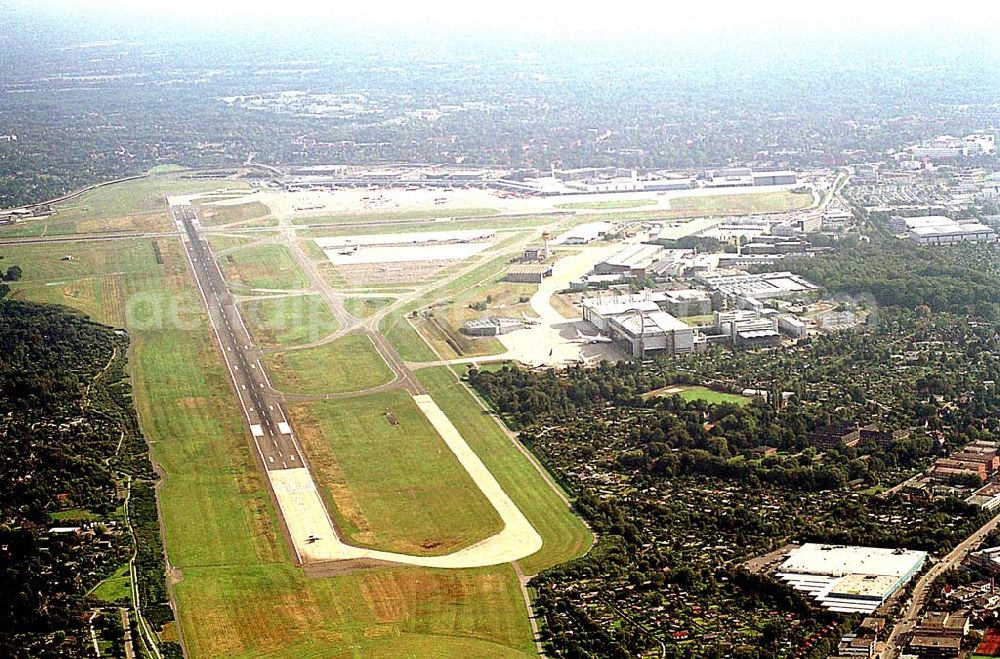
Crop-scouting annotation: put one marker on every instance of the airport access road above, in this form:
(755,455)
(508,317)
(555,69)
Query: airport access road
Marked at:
(908,621)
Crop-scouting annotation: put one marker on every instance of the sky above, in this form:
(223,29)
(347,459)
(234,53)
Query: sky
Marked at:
(747,18)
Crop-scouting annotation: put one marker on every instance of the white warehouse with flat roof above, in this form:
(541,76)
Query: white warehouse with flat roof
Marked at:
(941,230)
(849,579)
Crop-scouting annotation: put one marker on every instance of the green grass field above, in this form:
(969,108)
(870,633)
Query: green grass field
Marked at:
(565,536)
(610,204)
(379,216)
(276,611)
(145,195)
(95,280)
(350,363)
(736,204)
(268,267)
(288,321)
(414,498)
(221,243)
(362,307)
(401,335)
(699,393)
(211,216)
(116,587)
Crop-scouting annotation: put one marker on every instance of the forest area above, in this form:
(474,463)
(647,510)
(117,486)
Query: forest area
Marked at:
(70,449)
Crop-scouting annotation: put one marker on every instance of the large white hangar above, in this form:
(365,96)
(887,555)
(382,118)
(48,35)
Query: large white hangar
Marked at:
(849,579)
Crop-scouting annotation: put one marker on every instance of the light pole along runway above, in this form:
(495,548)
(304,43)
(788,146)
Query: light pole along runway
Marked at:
(312,532)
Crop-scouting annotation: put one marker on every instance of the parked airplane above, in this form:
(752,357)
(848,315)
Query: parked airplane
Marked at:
(531,321)
(593,338)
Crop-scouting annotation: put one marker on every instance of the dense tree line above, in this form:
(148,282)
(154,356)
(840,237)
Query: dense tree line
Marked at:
(68,438)
(962,279)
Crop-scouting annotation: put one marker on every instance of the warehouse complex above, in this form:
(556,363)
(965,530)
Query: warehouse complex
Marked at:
(941,230)
(639,321)
(849,579)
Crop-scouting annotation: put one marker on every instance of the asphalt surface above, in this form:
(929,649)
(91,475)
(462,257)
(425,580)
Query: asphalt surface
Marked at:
(260,404)
(911,615)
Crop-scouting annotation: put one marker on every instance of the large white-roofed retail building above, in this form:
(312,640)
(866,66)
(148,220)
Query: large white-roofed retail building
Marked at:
(849,579)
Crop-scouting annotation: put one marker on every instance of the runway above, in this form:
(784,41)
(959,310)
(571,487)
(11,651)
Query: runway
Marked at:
(263,410)
(302,510)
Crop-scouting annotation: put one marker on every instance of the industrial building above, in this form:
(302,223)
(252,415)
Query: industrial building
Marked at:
(539,253)
(790,325)
(762,286)
(492,326)
(847,579)
(529,273)
(746,328)
(738,177)
(586,233)
(775,178)
(634,261)
(638,320)
(662,184)
(688,302)
(941,230)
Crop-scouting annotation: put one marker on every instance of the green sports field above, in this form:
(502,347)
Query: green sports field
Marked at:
(688,392)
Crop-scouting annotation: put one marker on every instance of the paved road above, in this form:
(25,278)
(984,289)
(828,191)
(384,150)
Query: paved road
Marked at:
(909,619)
(261,406)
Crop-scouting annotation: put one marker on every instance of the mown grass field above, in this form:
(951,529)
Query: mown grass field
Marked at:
(216,215)
(405,339)
(95,280)
(362,307)
(350,363)
(115,587)
(394,483)
(220,243)
(699,393)
(276,611)
(140,196)
(736,204)
(565,536)
(376,216)
(610,204)
(268,267)
(132,206)
(288,321)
